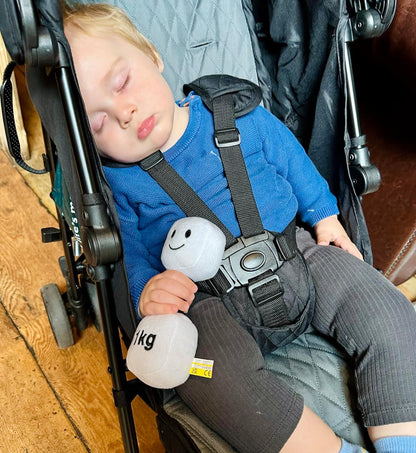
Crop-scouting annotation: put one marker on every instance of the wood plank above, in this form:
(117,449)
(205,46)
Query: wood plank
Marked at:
(25,425)
(78,375)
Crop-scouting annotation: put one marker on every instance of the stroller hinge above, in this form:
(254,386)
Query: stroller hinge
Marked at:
(100,238)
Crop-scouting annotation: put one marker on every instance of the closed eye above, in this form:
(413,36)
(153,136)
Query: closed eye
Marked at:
(97,122)
(121,81)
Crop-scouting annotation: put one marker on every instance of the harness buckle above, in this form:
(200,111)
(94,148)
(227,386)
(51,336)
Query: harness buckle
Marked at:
(251,257)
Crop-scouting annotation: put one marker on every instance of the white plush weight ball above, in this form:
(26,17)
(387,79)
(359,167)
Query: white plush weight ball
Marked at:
(162,350)
(194,246)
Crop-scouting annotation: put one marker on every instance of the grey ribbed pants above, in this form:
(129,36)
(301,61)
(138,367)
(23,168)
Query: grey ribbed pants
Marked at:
(253,409)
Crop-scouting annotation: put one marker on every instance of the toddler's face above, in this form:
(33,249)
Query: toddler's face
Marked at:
(129,104)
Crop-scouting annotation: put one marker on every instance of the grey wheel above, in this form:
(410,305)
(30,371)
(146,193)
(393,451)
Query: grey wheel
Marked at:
(58,316)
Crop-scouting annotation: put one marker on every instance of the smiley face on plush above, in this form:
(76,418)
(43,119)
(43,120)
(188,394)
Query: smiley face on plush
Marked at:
(194,246)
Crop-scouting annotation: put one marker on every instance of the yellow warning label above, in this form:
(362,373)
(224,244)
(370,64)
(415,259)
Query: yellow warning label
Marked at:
(202,367)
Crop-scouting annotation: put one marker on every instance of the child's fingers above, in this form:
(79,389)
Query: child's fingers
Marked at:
(168,292)
(182,279)
(162,297)
(347,245)
(324,239)
(175,283)
(157,302)
(154,308)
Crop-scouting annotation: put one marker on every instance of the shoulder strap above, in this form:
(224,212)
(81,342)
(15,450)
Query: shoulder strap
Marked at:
(227,97)
(227,139)
(180,192)
(9,122)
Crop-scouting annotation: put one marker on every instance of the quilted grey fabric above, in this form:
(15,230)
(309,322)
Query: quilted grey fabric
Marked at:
(318,370)
(196,38)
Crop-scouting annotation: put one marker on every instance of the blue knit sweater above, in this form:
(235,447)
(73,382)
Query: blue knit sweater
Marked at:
(284,181)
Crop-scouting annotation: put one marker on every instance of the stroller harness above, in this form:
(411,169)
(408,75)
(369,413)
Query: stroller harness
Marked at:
(256,259)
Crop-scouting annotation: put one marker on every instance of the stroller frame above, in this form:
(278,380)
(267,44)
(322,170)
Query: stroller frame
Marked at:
(39,48)
(103,249)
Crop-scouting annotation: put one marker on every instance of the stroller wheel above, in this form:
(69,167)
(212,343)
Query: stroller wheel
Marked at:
(58,316)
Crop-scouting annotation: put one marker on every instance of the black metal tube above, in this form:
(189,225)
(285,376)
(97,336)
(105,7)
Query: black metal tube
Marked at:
(116,363)
(68,94)
(352,97)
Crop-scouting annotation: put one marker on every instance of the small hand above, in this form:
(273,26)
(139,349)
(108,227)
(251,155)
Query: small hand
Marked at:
(330,230)
(166,293)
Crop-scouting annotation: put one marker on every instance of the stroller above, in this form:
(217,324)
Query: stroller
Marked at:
(246,39)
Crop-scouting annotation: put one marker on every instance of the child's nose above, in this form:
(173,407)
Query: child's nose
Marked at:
(125,116)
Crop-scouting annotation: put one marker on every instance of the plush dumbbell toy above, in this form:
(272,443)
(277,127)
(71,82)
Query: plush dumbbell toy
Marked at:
(163,347)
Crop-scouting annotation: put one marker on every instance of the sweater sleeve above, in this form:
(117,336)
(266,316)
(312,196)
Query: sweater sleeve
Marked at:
(138,266)
(138,260)
(315,201)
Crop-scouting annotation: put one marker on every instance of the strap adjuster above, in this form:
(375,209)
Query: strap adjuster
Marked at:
(224,138)
(267,295)
(265,290)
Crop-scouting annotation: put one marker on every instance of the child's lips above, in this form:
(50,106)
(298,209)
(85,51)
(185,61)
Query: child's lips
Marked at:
(145,127)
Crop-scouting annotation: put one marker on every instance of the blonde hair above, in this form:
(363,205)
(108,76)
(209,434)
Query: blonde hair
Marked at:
(101,18)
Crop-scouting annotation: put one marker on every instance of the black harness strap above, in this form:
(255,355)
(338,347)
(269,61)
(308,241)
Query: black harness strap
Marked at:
(180,192)
(227,139)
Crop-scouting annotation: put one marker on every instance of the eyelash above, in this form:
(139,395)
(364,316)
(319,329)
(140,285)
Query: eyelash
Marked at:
(123,84)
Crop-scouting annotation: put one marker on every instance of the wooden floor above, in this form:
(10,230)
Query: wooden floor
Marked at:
(51,400)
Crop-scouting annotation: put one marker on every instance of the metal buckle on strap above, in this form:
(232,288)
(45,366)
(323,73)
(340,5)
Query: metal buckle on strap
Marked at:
(225,138)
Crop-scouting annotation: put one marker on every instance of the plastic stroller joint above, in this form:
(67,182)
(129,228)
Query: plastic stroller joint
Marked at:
(39,47)
(100,239)
(124,397)
(365,176)
(370,19)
